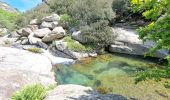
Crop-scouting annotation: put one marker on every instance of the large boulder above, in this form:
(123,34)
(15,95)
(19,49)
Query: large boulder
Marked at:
(128,42)
(3,31)
(52,18)
(62,50)
(77,92)
(34,22)
(33,27)
(46,25)
(32,39)
(26,32)
(41,32)
(20,67)
(77,35)
(57,33)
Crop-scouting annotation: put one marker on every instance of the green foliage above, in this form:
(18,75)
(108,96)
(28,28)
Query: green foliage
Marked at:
(61,6)
(121,6)
(103,90)
(31,92)
(35,50)
(90,16)
(76,46)
(7,19)
(99,34)
(158,11)
(68,20)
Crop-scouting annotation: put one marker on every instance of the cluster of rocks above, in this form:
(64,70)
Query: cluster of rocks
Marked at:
(49,34)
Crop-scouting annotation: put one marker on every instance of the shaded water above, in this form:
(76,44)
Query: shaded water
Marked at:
(116,73)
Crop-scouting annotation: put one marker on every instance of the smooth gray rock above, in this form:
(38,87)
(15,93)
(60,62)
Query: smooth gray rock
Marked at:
(3,31)
(128,42)
(20,67)
(52,18)
(41,32)
(33,27)
(78,35)
(34,22)
(77,92)
(57,33)
(26,31)
(33,40)
(46,25)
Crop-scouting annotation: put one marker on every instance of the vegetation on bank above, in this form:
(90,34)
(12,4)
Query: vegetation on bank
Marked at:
(33,92)
(76,46)
(7,19)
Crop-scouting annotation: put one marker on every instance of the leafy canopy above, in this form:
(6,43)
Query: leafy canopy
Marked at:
(158,12)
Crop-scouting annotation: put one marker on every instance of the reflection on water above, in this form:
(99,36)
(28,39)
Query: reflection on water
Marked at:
(115,73)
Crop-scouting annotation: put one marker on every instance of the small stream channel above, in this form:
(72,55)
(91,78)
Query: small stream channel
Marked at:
(115,72)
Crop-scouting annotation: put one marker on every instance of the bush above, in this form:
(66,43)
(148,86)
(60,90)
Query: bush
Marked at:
(121,7)
(7,19)
(31,92)
(91,11)
(99,33)
(76,46)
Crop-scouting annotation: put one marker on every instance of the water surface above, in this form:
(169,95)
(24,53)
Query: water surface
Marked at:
(116,73)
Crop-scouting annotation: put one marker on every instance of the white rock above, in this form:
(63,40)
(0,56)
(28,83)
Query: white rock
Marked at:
(19,68)
(54,24)
(32,39)
(46,25)
(77,92)
(26,31)
(34,22)
(77,35)
(41,32)
(60,45)
(57,33)
(33,27)
(52,18)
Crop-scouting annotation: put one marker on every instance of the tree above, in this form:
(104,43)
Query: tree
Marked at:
(158,11)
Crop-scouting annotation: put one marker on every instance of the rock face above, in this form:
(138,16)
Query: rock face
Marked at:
(77,92)
(20,67)
(128,42)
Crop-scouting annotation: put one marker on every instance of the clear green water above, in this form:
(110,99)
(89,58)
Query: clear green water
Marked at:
(116,73)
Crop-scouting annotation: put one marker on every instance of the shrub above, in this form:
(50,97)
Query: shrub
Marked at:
(7,19)
(121,6)
(31,92)
(35,50)
(99,33)
(103,90)
(76,46)
(91,11)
